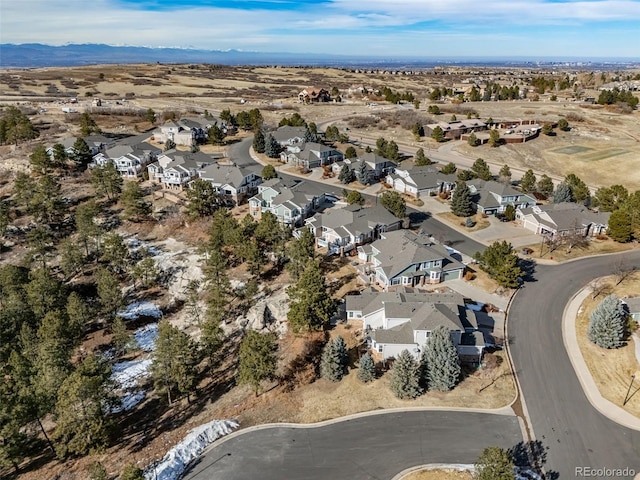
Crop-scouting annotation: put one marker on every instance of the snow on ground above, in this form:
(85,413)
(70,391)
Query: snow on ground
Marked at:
(140,309)
(128,401)
(146,337)
(176,460)
(127,374)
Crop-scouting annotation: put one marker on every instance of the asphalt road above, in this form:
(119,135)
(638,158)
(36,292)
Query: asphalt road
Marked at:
(239,153)
(372,447)
(574,432)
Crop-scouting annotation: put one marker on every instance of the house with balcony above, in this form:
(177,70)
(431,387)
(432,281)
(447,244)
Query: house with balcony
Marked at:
(174,169)
(560,219)
(185,131)
(406,259)
(420,182)
(311,155)
(233,182)
(493,197)
(404,320)
(314,94)
(130,160)
(287,200)
(342,230)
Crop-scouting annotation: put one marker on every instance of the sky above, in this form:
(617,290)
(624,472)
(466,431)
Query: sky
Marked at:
(378,28)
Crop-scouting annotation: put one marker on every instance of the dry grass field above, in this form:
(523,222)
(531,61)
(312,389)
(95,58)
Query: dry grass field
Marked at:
(594,247)
(611,369)
(439,474)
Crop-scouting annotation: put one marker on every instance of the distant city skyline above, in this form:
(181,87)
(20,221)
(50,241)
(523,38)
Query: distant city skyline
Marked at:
(413,28)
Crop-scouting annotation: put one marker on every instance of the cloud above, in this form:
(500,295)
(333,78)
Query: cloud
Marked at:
(386,27)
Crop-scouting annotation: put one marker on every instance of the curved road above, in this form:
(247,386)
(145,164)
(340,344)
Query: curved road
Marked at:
(574,432)
(372,447)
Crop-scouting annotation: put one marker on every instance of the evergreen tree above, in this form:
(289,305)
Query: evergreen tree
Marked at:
(40,161)
(461,201)
(563,194)
(202,199)
(354,197)
(545,185)
(418,130)
(88,125)
(481,169)
(505,174)
(579,190)
(215,135)
(271,147)
(132,472)
(563,125)
(81,153)
(134,203)
(122,340)
(88,230)
(169,145)
(350,152)
(299,252)
(111,298)
(268,172)
(115,253)
(449,169)
(44,292)
(620,227)
(346,175)
(421,159)
(107,181)
(607,323)
(510,213)
(333,364)
(311,305)
(528,181)
(175,362)
(81,410)
(466,175)
(367,370)
(494,463)
(71,257)
(259,144)
(97,471)
(472,140)
(610,199)
(362,174)
(494,138)
(145,272)
(437,134)
(499,261)
(257,360)
(393,201)
(79,313)
(405,377)
(443,364)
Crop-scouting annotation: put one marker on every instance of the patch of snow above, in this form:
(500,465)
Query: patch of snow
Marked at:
(127,374)
(176,460)
(146,337)
(140,309)
(128,401)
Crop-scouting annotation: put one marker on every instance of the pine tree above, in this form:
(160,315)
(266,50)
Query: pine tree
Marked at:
(299,252)
(481,169)
(393,201)
(81,153)
(40,161)
(122,339)
(363,173)
(545,185)
(350,152)
(494,138)
(135,206)
(443,364)
(202,199)
(311,305)
(620,228)
(268,172)
(461,201)
(132,472)
(81,410)
(505,174)
(494,463)
(367,370)
(499,261)
(216,135)
(346,175)
(88,230)
(107,181)
(421,159)
(111,298)
(259,144)
(271,147)
(579,190)
(449,169)
(437,134)
(472,140)
(333,364)
(257,359)
(607,323)
(88,125)
(115,253)
(528,181)
(405,377)
(563,194)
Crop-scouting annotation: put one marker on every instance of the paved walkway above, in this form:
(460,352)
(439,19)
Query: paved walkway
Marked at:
(478,294)
(604,406)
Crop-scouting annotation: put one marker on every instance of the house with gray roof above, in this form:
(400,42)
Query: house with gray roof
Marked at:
(288,136)
(185,131)
(287,200)
(130,160)
(493,197)
(344,229)
(457,128)
(233,182)
(404,258)
(420,181)
(563,219)
(404,320)
(175,169)
(312,155)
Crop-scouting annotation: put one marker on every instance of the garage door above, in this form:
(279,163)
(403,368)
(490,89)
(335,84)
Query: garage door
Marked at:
(451,275)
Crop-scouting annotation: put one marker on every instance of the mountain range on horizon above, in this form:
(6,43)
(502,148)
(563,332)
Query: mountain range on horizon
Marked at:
(33,55)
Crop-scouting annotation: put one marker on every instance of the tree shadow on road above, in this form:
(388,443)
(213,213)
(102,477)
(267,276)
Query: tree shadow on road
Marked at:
(532,455)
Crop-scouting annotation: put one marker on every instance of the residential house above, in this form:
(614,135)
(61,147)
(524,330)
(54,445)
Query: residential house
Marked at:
(405,258)
(174,169)
(632,307)
(420,181)
(233,182)
(287,136)
(563,219)
(96,143)
(287,200)
(343,229)
(314,94)
(493,197)
(454,130)
(312,155)
(381,166)
(185,131)
(404,320)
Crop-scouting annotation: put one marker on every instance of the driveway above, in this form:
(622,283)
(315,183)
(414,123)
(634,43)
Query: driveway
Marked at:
(373,447)
(575,433)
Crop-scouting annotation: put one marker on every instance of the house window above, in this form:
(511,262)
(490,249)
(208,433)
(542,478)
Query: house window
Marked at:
(350,314)
(406,280)
(379,347)
(434,275)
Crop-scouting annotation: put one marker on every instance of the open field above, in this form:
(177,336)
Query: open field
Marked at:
(594,247)
(611,369)
(602,147)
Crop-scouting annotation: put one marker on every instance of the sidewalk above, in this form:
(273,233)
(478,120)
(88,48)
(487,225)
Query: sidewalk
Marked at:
(478,294)
(604,406)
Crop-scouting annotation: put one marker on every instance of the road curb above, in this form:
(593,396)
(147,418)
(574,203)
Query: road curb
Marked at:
(570,339)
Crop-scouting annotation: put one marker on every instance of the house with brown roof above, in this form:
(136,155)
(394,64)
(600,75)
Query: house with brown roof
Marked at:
(454,130)
(314,94)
